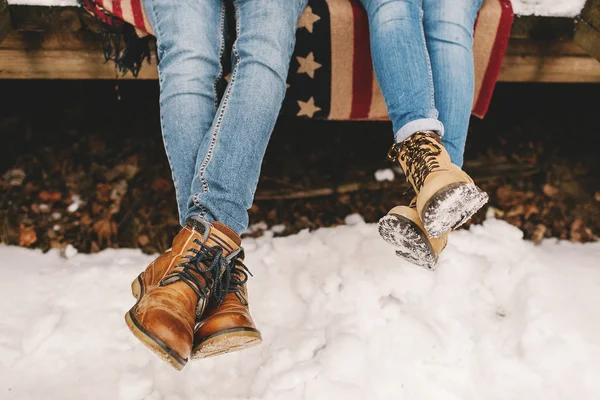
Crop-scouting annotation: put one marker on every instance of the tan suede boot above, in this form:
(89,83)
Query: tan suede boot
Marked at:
(177,286)
(227,327)
(446,196)
(403,228)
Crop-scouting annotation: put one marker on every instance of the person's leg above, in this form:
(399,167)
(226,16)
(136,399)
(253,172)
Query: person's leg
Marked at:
(402,65)
(445,195)
(190,43)
(228,162)
(172,290)
(228,167)
(448,28)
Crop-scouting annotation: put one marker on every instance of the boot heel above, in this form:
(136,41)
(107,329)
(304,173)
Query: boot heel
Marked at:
(226,341)
(136,287)
(409,239)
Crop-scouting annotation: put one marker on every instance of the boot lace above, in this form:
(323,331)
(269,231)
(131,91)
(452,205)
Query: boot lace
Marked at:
(208,263)
(238,278)
(419,153)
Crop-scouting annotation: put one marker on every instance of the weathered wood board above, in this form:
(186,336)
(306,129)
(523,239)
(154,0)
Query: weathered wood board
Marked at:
(62,43)
(587,29)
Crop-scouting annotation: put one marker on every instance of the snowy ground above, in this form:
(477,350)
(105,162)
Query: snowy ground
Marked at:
(549,8)
(342,318)
(554,8)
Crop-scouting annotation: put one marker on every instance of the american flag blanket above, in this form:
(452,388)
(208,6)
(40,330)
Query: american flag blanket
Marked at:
(331,74)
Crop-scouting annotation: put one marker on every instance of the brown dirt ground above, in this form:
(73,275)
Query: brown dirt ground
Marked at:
(99,145)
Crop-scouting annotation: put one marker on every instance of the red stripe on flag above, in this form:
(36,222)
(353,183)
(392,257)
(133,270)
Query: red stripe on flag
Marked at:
(138,17)
(100,3)
(493,69)
(362,66)
(117,10)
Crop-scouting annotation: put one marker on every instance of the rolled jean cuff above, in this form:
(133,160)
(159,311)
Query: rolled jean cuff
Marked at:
(419,125)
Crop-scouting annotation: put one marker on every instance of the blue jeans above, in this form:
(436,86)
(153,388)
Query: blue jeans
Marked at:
(215,147)
(423,57)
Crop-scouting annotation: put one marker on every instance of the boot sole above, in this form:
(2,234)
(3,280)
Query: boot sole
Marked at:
(226,341)
(451,207)
(223,342)
(413,244)
(150,341)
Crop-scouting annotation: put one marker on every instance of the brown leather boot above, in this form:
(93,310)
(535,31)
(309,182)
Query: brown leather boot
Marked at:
(403,228)
(177,286)
(446,196)
(228,327)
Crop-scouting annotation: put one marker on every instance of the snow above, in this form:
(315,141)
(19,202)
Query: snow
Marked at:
(548,8)
(342,318)
(76,203)
(384,175)
(354,219)
(554,8)
(278,229)
(258,227)
(69,252)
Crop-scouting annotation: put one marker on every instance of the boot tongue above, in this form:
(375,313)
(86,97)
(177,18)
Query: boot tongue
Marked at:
(223,236)
(216,234)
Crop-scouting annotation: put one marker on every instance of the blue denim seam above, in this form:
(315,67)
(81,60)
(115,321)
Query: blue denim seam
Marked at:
(221,52)
(233,224)
(430,71)
(159,51)
(217,130)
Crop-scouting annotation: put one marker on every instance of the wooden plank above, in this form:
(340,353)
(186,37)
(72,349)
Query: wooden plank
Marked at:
(587,28)
(46,19)
(591,13)
(542,28)
(38,55)
(566,69)
(588,38)
(62,19)
(541,61)
(68,55)
(5,27)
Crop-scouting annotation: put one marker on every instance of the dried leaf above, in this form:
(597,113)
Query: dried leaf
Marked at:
(125,171)
(161,185)
(550,190)
(531,210)
(103,192)
(14,177)
(94,248)
(27,236)
(576,230)
(143,240)
(57,244)
(538,233)
(105,229)
(508,197)
(118,191)
(50,197)
(516,211)
(97,209)
(85,220)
